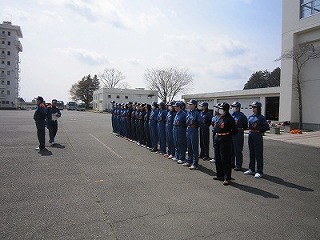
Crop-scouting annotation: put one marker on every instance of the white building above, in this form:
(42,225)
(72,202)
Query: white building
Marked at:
(269,97)
(103,97)
(10,47)
(300,23)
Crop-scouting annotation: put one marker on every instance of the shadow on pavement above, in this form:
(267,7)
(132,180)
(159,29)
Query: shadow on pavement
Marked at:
(254,190)
(57,145)
(208,171)
(45,152)
(280,181)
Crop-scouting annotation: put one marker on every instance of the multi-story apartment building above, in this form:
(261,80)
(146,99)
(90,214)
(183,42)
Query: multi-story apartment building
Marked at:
(300,24)
(10,47)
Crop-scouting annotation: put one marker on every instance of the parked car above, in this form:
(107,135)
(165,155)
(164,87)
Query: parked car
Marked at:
(72,106)
(60,105)
(81,107)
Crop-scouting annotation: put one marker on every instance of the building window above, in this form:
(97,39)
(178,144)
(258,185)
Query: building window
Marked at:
(7,102)
(109,96)
(3,32)
(2,62)
(3,42)
(118,96)
(309,7)
(8,63)
(8,53)
(8,92)
(2,52)
(9,33)
(126,97)
(8,72)
(9,43)
(8,82)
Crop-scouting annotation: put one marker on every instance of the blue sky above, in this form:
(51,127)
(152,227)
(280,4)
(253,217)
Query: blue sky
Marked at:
(221,43)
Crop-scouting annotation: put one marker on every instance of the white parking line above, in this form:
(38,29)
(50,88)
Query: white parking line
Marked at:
(106,146)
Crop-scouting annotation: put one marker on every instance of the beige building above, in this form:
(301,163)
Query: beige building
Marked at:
(103,97)
(300,23)
(269,97)
(10,47)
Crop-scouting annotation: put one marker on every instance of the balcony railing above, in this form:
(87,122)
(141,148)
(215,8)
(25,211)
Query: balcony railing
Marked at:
(2,46)
(3,36)
(2,66)
(19,45)
(2,56)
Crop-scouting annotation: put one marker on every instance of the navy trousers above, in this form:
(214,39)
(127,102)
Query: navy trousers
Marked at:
(255,142)
(193,145)
(237,148)
(53,129)
(41,133)
(222,152)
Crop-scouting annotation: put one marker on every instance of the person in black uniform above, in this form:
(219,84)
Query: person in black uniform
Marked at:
(40,117)
(225,127)
(205,124)
(53,113)
(146,125)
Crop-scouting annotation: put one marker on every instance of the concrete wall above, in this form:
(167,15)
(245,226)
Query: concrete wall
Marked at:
(295,31)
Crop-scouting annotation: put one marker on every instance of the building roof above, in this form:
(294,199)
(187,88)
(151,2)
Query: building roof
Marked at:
(236,93)
(8,25)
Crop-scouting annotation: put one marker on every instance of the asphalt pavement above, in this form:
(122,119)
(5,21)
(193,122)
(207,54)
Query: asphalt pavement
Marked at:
(95,185)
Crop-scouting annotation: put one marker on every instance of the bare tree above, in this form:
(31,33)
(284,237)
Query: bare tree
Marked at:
(300,54)
(167,82)
(111,77)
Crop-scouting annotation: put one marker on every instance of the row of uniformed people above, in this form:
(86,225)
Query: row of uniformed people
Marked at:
(177,130)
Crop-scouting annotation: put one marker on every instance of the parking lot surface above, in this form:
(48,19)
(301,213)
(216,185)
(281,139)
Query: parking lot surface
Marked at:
(95,185)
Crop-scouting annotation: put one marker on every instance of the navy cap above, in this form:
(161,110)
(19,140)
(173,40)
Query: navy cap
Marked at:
(236,104)
(204,104)
(256,104)
(177,104)
(224,106)
(171,103)
(193,101)
(40,98)
(217,105)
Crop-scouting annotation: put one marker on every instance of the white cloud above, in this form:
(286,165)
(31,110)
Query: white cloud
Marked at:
(134,61)
(87,57)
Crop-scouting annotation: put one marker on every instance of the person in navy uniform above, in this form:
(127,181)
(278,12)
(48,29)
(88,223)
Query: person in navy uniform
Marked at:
(117,118)
(205,122)
(214,119)
(257,126)
(169,130)
(162,127)
(225,127)
(113,109)
(133,122)
(39,117)
(179,133)
(136,123)
(146,126)
(52,123)
(142,138)
(238,139)
(153,126)
(128,120)
(193,123)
